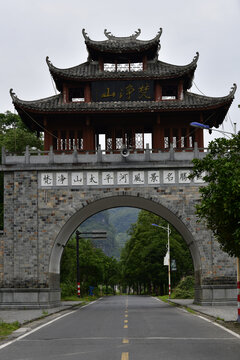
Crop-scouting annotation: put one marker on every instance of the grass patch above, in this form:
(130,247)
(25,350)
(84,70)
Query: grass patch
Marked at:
(7,328)
(190,310)
(164,298)
(76,298)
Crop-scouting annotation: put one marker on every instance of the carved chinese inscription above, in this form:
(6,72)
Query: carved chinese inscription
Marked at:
(111,178)
(135,90)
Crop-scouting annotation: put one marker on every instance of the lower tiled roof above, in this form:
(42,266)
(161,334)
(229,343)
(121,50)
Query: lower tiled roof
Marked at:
(190,101)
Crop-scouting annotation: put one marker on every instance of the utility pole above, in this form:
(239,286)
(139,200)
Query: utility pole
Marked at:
(89,235)
(167,255)
(78,267)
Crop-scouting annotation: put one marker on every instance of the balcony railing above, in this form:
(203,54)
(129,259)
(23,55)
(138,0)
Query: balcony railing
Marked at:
(103,156)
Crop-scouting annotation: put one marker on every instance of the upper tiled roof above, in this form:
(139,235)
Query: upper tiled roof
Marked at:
(155,70)
(190,102)
(122,45)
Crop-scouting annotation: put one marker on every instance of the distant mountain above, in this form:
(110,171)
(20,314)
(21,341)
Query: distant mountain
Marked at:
(116,222)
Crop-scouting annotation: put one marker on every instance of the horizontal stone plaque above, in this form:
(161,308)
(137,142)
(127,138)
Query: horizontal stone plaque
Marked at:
(114,178)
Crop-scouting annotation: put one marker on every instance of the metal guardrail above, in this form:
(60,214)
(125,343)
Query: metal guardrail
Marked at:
(103,156)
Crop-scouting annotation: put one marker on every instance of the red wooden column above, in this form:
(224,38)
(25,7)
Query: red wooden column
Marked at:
(145,63)
(170,136)
(48,141)
(87,93)
(180,90)
(179,138)
(101,64)
(158,91)
(157,138)
(88,136)
(65,94)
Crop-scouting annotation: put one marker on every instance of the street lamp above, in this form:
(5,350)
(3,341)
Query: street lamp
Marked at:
(168,253)
(207,127)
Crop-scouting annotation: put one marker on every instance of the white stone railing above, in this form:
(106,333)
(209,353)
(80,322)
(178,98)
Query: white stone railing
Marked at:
(103,156)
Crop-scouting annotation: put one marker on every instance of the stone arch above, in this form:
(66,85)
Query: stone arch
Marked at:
(120,201)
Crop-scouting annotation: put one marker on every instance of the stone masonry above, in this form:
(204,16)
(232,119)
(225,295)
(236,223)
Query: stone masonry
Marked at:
(45,203)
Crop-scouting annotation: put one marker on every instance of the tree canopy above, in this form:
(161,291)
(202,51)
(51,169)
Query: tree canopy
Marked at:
(142,257)
(220,196)
(95,268)
(15,136)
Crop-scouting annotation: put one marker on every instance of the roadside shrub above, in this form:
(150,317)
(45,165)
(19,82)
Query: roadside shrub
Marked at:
(185,288)
(68,289)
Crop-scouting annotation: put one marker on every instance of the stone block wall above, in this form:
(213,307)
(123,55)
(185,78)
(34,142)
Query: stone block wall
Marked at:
(38,221)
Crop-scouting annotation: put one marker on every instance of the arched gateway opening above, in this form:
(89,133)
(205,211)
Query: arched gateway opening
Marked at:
(119,201)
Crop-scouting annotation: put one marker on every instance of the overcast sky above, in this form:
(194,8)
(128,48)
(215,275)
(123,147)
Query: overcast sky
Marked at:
(30,30)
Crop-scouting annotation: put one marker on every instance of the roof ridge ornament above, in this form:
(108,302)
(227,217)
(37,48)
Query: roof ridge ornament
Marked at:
(196,57)
(85,35)
(12,94)
(48,61)
(233,89)
(159,33)
(110,36)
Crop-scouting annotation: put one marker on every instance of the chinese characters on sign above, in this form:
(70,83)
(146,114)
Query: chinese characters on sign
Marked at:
(77,178)
(169,177)
(110,178)
(123,178)
(47,179)
(62,179)
(183,176)
(153,177)
(135,90)
(138,177)
(92,178)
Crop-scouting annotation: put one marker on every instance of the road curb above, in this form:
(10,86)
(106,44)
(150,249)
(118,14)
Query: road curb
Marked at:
(218,322)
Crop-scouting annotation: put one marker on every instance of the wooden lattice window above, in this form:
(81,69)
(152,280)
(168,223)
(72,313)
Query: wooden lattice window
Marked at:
(123,67)
(166,138)
(139,141)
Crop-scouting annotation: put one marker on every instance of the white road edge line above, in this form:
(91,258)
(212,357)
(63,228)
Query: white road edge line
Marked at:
(43,325)
(213,322)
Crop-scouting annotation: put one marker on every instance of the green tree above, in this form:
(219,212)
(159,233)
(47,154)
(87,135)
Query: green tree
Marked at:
(15,136)
(111,273)
(95,268)
(142,258)
(219,206)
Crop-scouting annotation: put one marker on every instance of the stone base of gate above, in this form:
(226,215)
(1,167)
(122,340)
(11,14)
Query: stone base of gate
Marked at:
(216,295)
(30,298)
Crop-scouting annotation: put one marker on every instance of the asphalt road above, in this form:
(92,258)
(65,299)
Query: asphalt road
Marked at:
(126,328)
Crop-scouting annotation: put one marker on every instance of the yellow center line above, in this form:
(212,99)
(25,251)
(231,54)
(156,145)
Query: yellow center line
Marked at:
(126,321)
(125,327)
(126,315)
(125,341)
(125,356)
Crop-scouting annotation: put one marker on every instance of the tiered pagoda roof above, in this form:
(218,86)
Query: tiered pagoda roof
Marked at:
(132,49)
(124,47)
